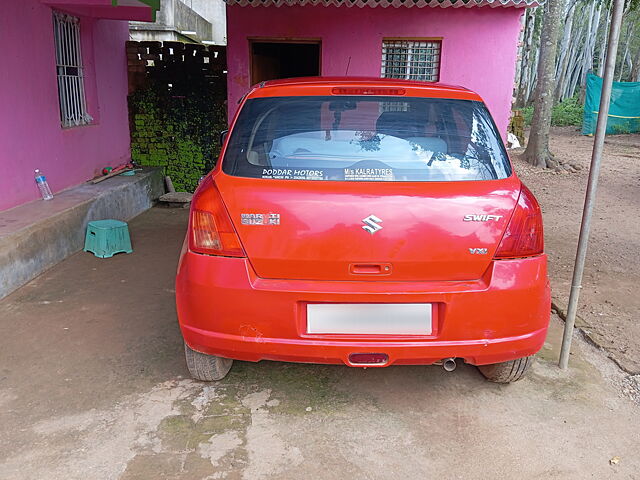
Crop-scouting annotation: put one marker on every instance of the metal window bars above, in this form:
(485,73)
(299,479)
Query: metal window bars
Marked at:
(411,59)
(70,72)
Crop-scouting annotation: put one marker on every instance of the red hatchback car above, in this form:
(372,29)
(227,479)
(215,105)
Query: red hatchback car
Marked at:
(366,222)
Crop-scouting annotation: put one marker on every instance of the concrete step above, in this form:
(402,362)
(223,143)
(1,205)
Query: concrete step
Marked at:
(37,235)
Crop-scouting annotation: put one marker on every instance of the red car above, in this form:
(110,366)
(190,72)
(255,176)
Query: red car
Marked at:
(366,222)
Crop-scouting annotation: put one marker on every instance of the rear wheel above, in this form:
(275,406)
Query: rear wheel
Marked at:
(206,368)
(506,372)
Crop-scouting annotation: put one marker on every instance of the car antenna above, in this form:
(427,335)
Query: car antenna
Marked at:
(348,64)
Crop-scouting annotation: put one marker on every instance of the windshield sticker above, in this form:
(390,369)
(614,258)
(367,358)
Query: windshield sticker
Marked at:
(260,218)
(368,174)
(292,174)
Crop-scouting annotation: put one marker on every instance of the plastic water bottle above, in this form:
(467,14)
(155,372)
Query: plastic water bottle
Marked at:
(43,186)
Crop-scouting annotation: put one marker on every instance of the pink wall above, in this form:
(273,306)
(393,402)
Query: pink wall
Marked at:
(30,132)
(479,45)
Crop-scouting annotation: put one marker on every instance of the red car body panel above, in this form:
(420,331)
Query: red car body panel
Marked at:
(225,309)
(484,310)
(312,86)
(320,235)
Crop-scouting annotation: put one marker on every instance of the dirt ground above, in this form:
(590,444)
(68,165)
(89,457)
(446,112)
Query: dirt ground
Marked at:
(609,303)
(93,385)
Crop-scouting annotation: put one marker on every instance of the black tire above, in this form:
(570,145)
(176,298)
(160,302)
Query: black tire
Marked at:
(507,372)
(206,368)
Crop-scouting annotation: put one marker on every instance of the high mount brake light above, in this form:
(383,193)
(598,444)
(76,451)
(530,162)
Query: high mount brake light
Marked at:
(524,235)
(367,91)
(210,229)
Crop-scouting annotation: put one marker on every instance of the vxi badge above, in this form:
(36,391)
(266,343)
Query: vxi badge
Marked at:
(371,224)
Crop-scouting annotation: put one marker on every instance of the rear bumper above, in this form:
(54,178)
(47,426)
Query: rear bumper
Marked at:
(225,310)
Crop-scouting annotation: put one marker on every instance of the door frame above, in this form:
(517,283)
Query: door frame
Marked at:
(307,40)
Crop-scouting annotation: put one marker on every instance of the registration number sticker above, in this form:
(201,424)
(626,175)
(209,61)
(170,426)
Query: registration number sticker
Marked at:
(370,318)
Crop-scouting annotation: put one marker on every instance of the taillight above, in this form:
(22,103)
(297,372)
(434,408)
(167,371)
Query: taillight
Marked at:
(524,236)
(211,231)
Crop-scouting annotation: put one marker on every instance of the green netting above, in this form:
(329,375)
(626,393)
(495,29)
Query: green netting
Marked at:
(624,113)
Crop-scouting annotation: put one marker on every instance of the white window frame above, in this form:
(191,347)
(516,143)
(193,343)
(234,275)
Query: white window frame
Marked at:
(70,71)
(411,59)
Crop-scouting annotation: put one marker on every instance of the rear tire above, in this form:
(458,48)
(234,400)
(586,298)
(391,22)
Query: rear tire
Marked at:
(206,368)
(507,372)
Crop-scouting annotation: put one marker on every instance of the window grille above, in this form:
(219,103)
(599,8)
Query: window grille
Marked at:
(411,59)
(73,104)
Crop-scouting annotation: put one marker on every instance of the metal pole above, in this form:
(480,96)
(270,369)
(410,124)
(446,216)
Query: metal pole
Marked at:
(592,184)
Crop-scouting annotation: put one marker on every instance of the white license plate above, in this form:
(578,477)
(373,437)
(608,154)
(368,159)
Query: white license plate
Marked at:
(370,318)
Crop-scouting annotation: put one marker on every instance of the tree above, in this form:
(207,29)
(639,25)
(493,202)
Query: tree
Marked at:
(528,59)
(582,48)
(635,70)
(564,53)
(537,152)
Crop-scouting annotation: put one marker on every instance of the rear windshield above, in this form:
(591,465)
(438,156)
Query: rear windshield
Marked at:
(365,139)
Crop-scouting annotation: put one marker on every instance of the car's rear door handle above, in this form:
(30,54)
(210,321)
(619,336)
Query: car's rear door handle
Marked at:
(370,268)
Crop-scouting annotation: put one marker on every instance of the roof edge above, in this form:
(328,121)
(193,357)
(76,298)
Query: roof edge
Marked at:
(390,3)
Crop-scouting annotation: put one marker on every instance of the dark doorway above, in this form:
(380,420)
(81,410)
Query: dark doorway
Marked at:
(271,60)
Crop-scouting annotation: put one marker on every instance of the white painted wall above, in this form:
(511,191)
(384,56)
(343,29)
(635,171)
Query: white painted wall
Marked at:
(213,11)
(206,17)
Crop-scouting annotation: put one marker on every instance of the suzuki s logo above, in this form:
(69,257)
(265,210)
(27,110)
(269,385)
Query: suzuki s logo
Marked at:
(371,224)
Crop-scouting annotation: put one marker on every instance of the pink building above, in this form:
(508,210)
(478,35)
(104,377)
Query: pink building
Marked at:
(472,43)
(63,91)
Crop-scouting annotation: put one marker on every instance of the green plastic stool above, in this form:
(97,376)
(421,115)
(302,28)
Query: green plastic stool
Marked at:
(105,238)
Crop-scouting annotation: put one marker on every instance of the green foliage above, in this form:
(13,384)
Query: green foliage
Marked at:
(177,132)
(527,113)
(569,112)
(619,126)
(620,129)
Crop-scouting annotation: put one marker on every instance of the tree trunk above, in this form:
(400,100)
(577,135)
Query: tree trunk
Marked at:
(533,71)
(564,54)
(525,59)
(573,69)
(590,44)
(603,46)
(626,57)
(635,70)
(537,152)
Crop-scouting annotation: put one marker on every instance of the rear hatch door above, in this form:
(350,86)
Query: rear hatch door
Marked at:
(416,231)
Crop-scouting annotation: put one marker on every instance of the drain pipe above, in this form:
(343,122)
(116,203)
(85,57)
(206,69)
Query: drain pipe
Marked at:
(592,184)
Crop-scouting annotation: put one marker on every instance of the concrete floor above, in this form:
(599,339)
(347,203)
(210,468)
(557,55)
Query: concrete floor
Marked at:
(93,385)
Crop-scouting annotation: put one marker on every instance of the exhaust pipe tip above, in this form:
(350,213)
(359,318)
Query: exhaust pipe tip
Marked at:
(449,364)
